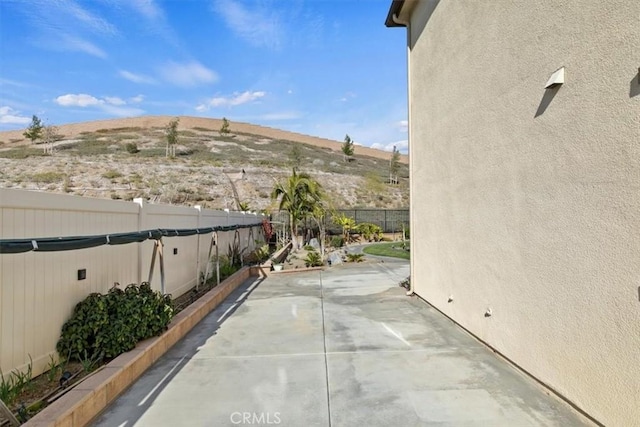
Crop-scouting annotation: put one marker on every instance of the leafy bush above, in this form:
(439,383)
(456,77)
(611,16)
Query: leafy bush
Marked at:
(227,268)
(355,257)
(313,259)
(103,326)
(337,241)
(309,248)
(262,253)
(407,231)
(370,232)
(234,254)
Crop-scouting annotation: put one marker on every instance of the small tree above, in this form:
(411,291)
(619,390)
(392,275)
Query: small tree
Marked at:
(298,196)
(34,131)
(318,214)
(347,223)
(347,147)
(171,132)
(50,134)
(295,156)
(394,166)
(224,129)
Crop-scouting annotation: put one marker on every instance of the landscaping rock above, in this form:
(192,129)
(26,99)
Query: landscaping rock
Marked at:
(335,258)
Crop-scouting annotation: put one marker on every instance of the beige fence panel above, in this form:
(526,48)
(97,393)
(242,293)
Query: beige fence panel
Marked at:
(38,290)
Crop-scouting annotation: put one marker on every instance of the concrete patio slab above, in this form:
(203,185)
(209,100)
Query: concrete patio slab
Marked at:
(340,347)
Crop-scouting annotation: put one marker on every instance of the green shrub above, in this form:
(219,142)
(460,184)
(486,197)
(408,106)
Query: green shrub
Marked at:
(48,177)
(370,232)
(313,259)
(103,326)
(355,257)
(262,253)
(131,147)
(337,241)
(111,174)
(227,267)
(13,384)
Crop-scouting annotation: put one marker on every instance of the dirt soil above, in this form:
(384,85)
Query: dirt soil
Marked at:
(126,158)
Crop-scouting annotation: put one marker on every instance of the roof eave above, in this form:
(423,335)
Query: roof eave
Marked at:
(396,7)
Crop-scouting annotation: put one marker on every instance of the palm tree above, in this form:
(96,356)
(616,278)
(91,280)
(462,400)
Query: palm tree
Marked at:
(298,195)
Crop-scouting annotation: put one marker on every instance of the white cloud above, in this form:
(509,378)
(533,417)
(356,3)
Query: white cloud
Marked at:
(148,8)
(136,78)
(93,22)
(347,96)
(15,83)
(231,101)
(188,74)
(111,105)
(79,100)
(114,100)
(77,44)
(12,117)
(403,125)
(153,16)
(136,99)
(66,25)
(401,146)
(258,25)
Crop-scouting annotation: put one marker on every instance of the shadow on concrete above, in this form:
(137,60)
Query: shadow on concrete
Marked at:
(549,94)
(634,85)
(172,366)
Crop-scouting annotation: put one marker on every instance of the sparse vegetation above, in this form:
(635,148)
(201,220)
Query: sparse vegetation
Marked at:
(225,129)
(351,257)
(34,131)
(47,177)
(394,166)
(313,259)
(171,133)
(295,156)
(131,147)
(112,174)
(202,158)
(347,148)
(15,383)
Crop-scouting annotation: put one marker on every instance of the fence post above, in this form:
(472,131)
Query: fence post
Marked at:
(142,221)
(199,224)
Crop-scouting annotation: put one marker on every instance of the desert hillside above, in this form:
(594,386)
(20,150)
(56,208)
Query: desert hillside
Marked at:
(186,122)
(126,158)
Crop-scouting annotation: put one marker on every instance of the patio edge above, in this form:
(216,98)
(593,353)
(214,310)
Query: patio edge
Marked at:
(89,398)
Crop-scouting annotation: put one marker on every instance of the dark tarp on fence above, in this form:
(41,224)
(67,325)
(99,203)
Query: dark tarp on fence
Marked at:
(54,244)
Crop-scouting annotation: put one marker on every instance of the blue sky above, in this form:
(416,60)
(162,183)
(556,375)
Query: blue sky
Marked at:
(320,67)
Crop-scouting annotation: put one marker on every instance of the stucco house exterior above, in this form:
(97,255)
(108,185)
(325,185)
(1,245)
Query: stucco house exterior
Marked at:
(524,138)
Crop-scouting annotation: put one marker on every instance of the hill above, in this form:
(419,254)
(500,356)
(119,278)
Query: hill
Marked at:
(125,158)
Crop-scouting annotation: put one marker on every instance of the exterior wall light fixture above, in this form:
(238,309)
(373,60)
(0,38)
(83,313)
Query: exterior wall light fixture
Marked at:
(556,79)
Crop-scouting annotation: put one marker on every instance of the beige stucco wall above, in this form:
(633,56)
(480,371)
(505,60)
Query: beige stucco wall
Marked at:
(533,212)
